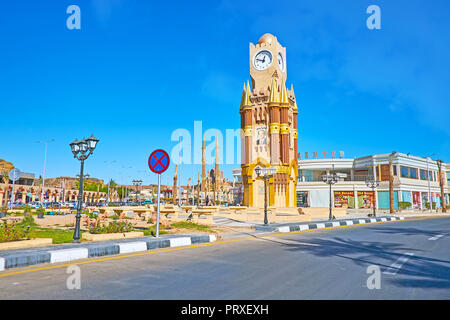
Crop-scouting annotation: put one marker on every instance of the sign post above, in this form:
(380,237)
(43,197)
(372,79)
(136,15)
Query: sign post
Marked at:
(158,162)
(14,175)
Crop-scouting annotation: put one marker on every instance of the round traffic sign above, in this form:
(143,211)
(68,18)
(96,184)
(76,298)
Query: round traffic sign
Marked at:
(15,174)
(158,161)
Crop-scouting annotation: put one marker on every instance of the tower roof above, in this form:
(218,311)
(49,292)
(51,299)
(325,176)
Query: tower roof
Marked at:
(267,38)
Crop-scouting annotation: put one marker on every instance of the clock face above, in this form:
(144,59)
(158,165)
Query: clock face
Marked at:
(262,60)
(280,61)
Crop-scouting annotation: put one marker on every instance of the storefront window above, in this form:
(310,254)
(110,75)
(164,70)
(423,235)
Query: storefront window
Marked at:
(344,199)
(302,199)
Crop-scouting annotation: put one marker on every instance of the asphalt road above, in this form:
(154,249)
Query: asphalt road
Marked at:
(413,257)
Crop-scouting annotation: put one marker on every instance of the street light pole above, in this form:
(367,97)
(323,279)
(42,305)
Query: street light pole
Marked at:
(81,151)
(373,184)
(330,179)
(137,183)
(265,174)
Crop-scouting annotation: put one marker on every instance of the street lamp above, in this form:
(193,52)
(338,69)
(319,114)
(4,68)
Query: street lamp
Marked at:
(373,184)
(265,174)
(330,179)
(81,150)
(137,183)
(429,185)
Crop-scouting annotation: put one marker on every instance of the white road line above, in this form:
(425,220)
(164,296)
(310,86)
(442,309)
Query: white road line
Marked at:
(436,237)
(286,241)
(397,265)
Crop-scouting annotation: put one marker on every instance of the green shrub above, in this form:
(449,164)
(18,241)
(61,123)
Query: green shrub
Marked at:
(427,205)
(28,221)
(27,209)
(404,205)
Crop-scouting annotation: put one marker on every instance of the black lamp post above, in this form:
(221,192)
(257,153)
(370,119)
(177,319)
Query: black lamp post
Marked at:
(265,174)
(330,179)
(373,184)
(81,150)
(137,183)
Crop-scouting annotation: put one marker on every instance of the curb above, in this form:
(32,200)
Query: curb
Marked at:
(27,257)
(326,225)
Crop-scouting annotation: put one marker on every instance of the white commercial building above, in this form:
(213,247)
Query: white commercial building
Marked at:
(409,175)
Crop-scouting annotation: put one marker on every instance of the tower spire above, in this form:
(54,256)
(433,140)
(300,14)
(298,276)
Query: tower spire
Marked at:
(247,102)
(284,100)
(244,93)
(274,98)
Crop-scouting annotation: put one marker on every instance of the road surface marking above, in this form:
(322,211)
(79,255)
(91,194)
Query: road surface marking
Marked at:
(436,237)
(397,265)
(286,241)
(116,257)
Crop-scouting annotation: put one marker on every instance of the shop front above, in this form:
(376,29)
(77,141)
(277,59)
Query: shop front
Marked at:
(302,199)
(344,199)
(365,199)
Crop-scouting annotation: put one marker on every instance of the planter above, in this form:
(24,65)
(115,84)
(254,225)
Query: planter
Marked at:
(40,215)
(25,243)
(111,236)
(2,214)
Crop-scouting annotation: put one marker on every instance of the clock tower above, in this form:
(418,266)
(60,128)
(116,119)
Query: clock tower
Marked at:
(269,122)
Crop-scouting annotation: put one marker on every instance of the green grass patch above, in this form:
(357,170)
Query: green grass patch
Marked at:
(191,225)
(151,231)
(58,235)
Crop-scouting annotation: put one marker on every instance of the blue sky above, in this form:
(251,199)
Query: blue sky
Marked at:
(138,70)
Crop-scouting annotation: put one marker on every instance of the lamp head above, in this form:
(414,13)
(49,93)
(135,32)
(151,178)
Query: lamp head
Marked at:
(75,147)
(92,142)
(258,171)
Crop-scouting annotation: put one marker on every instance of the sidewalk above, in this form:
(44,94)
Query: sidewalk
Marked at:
(69,252)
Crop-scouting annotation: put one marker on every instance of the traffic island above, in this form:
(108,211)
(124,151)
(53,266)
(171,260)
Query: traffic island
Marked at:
(71,252)
(323,224)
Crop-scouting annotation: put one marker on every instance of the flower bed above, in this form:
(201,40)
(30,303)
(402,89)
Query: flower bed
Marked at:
(13,231)
(112,227)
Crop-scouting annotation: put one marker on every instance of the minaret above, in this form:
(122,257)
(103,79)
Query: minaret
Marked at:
(216,172)
(198,189)
(203,168)
(174,190)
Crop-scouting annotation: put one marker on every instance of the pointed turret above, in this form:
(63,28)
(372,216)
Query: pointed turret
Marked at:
(295,108)
(284,100)
(244,92)
(247,102)
(274,99)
